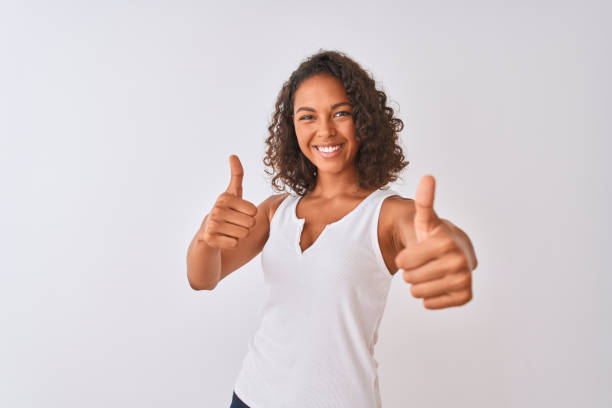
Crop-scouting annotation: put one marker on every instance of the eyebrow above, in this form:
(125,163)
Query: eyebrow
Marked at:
(306,108)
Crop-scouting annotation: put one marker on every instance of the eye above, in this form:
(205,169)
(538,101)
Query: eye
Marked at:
(343,113)
(305,117)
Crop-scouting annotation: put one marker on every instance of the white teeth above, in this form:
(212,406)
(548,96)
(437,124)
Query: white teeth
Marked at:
(328,149)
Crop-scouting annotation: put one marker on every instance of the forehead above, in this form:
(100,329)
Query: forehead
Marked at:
(319,89)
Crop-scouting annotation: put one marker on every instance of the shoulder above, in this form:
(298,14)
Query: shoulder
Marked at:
(397,206)
(393,209)
(271,203)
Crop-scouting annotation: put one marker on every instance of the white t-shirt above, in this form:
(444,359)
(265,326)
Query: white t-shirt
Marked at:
(314,347)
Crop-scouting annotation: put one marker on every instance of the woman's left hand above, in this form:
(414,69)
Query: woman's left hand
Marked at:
(439,264)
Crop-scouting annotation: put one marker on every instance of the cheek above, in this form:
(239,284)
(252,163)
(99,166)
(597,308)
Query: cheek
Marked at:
(347,128)
(350,133)
(302,143)
(302,137)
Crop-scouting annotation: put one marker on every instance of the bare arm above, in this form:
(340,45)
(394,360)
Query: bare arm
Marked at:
(208,265)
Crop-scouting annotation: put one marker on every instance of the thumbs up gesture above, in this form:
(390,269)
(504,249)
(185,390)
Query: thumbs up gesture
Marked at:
(439,264)
(231,217)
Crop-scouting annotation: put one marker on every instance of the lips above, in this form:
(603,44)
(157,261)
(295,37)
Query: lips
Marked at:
(331,153)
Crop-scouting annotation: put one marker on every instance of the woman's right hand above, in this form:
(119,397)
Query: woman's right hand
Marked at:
(231,217)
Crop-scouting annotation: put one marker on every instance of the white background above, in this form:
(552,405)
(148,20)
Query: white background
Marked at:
(116,123)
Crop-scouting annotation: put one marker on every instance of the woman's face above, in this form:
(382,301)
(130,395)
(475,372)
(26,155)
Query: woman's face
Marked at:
(323,120)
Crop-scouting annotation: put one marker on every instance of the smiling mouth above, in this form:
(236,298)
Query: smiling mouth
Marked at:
(328,152)
(329,148)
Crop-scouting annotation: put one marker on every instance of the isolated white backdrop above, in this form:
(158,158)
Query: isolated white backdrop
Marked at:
(117,120)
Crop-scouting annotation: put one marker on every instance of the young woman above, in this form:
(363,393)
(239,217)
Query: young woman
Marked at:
(331,246)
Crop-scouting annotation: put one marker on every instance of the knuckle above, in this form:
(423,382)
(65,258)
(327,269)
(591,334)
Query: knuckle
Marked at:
(461,282)
(225,198)
(209,239)
(398,261)
(463,261)
(250,207)
(448,243)
(401,258)
(466,280)
(464,297)
(215,213)
(244,232)
(212,225)
(459,262)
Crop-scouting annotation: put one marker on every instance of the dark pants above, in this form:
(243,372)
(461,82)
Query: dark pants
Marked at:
(237,402)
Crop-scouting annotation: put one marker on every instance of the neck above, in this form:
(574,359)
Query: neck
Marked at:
(330,185)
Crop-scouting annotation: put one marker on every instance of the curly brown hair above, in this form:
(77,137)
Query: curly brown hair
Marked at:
(379,159)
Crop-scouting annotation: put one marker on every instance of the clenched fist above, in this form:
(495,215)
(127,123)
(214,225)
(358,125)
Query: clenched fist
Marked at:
(439,264)
(231,217)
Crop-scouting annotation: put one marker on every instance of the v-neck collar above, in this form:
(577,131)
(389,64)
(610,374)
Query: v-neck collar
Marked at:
(302,221)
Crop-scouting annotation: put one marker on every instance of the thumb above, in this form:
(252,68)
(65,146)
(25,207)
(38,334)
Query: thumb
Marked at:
(425,218)
(235,185)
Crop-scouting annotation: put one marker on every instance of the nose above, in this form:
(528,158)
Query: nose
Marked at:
(326,127)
